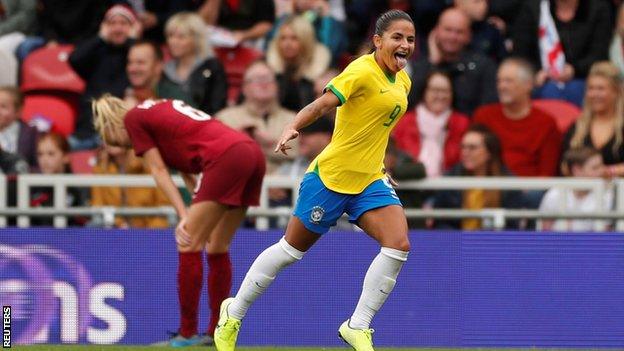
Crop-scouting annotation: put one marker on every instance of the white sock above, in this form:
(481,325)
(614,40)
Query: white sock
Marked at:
(378,283)
(261,274)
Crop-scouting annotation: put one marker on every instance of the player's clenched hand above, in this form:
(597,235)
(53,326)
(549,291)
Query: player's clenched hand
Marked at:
(182,236)
(288,134)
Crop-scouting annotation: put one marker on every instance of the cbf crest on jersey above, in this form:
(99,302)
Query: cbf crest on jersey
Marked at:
(317,214)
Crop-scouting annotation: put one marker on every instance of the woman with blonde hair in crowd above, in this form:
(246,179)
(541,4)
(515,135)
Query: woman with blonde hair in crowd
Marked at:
(194,66)
(326,17)
(601,123)
(298,59)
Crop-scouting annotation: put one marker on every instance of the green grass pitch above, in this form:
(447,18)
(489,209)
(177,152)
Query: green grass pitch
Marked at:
(145,348)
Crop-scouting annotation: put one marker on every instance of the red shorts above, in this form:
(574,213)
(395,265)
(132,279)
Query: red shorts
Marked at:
(235,178)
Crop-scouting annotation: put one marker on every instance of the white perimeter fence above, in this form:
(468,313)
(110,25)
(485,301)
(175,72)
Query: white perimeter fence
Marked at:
(493,218)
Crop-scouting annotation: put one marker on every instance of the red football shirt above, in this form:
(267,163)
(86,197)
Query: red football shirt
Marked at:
(187,139)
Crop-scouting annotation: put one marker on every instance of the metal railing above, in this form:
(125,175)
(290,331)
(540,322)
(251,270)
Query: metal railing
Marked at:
(494,218)
(60,183)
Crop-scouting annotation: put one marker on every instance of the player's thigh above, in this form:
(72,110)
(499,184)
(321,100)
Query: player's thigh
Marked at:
(387,225)
(222,234)
(298,236)
(379,212)
(202,219)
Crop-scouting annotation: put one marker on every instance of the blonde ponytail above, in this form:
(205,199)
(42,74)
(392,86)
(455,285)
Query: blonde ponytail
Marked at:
(108,114)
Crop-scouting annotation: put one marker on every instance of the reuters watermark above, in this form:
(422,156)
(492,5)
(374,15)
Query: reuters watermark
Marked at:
(6,327)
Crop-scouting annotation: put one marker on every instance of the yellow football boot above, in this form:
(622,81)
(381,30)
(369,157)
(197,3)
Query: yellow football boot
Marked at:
(359,339)
(227,328)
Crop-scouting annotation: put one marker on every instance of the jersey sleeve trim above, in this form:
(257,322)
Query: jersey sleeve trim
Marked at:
(337,93)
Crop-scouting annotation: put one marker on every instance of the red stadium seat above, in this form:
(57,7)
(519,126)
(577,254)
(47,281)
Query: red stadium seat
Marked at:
(48,69)
(235,61)
(82,162)
(565,113)
(58,111)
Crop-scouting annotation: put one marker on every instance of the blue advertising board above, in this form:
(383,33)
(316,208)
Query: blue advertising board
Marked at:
(456,290)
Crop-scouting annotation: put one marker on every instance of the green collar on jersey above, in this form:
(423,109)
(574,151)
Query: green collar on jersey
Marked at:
(392,79)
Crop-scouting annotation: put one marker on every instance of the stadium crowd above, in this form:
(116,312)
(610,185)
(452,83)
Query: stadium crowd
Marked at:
(499,88)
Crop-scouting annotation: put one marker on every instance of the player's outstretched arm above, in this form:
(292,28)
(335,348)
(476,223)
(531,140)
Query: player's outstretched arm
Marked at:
(305,117)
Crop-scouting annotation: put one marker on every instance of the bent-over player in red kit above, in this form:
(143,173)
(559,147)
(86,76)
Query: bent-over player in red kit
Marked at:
(230,165)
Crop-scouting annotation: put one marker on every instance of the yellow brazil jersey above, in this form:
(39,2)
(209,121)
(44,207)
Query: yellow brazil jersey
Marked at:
(371,104)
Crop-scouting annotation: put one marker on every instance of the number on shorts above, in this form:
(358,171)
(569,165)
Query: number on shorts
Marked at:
(393,115)
(189,111)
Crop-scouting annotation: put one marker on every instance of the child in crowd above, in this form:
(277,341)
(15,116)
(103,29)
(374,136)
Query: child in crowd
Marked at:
(578,162)
(53,158)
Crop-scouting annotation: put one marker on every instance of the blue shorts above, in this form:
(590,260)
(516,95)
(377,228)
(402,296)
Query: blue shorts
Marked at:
(319,208)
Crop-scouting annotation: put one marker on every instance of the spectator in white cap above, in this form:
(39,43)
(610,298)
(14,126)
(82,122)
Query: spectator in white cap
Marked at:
(101,62)
(120,23)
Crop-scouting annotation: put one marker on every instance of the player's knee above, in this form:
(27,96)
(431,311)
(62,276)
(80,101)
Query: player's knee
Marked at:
(400,243)
(395,254)
(194,246)
(405,245)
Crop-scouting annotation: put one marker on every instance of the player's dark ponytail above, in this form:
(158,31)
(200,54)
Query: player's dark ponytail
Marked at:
(384,21)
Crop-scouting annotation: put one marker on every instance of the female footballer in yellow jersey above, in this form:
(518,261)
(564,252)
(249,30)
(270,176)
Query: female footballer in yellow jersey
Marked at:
(347,177)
